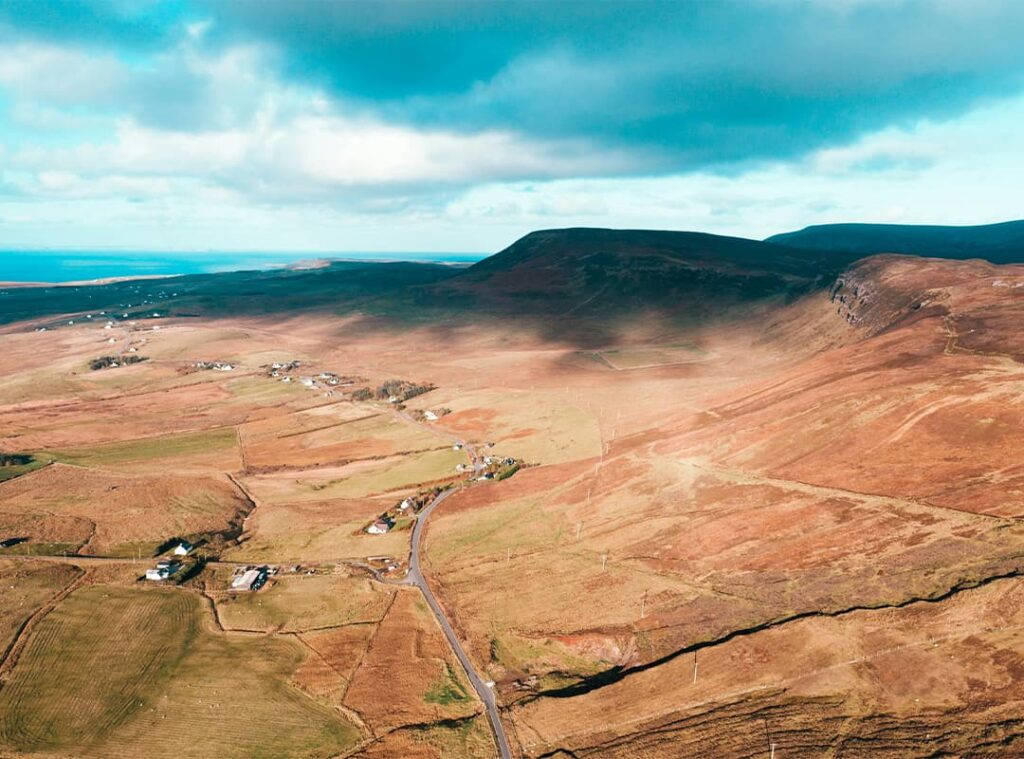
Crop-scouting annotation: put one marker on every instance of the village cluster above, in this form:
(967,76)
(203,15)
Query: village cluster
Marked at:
(217,366)
(326,381)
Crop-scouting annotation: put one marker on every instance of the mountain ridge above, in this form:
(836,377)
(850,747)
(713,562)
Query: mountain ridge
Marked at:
(1000,243)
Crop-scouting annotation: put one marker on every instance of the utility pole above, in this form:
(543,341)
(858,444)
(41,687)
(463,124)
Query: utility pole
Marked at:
(694,667)
(643,604)
(604,561)
(508,555)
(579,529)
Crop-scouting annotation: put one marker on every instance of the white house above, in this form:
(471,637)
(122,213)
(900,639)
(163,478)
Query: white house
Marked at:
(184,548)
(430,416)
(379,527)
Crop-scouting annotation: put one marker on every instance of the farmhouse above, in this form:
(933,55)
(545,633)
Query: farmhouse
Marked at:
(380,527)
(251,579)
(162,571)
(183,548)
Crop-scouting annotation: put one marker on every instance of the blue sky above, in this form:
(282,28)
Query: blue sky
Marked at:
(342,126)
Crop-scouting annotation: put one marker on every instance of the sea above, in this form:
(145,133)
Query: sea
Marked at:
(75,265)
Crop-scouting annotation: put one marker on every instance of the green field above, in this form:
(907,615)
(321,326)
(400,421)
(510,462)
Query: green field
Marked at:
(263,389)
(115,672)
(446,689)
(146,449)
(10,471)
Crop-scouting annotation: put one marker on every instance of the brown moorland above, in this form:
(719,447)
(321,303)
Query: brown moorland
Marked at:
(777,504)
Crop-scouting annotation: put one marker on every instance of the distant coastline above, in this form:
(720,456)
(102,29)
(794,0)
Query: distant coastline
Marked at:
(60,266)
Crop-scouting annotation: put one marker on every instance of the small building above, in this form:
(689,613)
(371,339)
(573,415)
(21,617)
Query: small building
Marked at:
(457,447)
(380,527)
(162,571)
(430,416)
(405,505)
(250,580)
(183,548)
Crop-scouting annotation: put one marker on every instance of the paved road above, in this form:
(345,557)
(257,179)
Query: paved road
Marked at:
(415,577)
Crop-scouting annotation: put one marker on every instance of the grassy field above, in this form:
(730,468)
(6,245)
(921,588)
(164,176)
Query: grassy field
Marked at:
(540,427)
(79,679)
(394,474)
(152,675)
(298,603)
(11,471)
(148,449)
(117,515)
(262,389)
(409,653)
(446,689)
(26,587)
(332,433)
(318,531)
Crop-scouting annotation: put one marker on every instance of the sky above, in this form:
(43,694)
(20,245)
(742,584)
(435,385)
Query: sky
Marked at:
(195,125)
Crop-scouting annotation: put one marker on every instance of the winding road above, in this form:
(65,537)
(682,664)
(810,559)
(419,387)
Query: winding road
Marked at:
(415,577)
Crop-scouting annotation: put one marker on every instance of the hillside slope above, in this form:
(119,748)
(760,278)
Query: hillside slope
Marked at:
(998,243)
(602,271)
(813,528)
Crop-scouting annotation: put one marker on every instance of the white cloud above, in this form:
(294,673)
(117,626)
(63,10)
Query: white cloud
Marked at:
(313,155)
(48,73)
(277,165)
